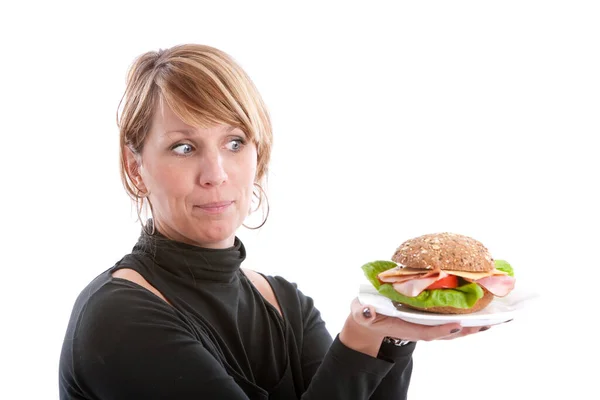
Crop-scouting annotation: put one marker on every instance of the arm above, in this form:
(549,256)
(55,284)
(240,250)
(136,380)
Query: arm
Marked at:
(331,369)
(357,365)
(396,382)
(129,344)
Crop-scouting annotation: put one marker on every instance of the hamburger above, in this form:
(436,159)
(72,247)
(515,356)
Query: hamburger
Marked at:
(445,273)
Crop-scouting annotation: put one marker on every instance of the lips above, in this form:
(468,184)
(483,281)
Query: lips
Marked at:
(215,207)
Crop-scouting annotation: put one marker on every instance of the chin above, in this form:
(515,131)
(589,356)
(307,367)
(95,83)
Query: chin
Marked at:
(214,234)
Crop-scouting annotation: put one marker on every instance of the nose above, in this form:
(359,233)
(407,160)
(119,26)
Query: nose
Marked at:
(212,170)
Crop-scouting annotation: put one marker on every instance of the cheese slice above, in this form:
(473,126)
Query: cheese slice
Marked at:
(475,275)
(400,271)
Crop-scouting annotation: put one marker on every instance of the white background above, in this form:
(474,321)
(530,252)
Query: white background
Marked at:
(476,117)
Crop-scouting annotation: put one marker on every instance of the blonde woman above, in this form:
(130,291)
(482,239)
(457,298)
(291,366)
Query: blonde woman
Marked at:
(178,317)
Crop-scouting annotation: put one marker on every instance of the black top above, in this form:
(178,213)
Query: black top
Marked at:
(217,339)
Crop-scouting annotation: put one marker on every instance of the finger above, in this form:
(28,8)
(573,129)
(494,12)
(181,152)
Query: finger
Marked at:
(466,331)
(364,314)
(472,329)
(416,332)
(445,330)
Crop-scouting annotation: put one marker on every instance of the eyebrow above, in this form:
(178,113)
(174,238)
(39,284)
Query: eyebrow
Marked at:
(190,132)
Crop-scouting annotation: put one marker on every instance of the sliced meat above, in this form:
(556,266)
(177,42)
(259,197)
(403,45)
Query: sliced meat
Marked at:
(413,287)
(498,285)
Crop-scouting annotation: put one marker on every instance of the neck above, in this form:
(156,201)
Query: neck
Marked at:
(177,236)
(190,262)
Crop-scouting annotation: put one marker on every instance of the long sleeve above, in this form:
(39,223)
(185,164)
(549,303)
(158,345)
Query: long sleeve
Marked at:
(333,371)
(396,382)
(132,345)
(123,342)
(347,374)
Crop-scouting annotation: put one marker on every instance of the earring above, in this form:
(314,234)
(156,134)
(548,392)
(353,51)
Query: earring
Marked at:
(259,195)
(139,194)
(140,197)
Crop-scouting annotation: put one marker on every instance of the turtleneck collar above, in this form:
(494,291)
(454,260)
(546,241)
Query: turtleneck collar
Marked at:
(192,262)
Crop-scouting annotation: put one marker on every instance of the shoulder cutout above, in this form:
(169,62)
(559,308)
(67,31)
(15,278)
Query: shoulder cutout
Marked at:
(263,287)
(136,277)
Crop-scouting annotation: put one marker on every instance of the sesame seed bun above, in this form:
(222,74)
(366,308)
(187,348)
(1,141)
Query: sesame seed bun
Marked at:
(446,251)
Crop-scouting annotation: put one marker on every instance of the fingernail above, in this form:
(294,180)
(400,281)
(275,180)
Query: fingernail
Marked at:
(455,330)
(485,328)
(367,312)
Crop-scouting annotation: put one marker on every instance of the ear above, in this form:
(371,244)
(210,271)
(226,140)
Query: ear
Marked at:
(133,164)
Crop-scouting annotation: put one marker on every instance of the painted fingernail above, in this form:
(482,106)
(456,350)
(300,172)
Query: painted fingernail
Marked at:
(455,330)
(367,312)
(485,328)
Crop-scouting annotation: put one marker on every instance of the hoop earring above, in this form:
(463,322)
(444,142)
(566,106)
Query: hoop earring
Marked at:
(140,197)
(150,221)
(259,195)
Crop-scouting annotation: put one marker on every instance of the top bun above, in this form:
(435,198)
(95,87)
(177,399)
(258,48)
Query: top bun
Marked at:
(449,251)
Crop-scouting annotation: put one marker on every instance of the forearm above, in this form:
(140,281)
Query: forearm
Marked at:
(346,368)
(360,338)
(347,374)
(396,383)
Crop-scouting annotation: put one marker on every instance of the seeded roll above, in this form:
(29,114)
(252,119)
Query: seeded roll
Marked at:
(444,251)
(444,273)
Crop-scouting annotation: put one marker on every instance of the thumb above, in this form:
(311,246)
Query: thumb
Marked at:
(364,314)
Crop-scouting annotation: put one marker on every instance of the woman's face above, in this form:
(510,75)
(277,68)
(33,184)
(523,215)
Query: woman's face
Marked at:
(200,180)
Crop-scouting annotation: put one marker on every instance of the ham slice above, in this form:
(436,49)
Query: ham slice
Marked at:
(413,286)
(498,285)
(411,282)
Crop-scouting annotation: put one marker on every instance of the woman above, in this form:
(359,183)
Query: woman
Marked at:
(178,317)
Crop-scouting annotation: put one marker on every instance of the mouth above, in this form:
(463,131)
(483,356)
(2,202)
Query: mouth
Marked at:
(216,207)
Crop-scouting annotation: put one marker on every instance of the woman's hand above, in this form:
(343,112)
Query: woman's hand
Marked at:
(364,330)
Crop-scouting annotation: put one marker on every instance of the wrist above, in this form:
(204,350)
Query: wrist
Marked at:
(395,341)
(360,338)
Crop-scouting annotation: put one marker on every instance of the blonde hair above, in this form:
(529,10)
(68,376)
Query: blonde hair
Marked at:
(203,86)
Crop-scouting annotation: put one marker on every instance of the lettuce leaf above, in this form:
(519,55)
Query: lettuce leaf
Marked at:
(374,268)
(504,266)
(464,296)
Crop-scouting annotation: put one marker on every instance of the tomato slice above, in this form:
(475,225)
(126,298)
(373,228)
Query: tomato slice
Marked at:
(449,282)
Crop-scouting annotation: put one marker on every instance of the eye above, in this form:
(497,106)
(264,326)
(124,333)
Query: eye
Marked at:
(235,145)
(182,149)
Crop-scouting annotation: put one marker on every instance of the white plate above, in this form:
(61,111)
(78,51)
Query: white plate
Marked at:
(500,310)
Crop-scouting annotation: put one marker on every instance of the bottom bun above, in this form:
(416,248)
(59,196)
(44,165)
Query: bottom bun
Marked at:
(479,305)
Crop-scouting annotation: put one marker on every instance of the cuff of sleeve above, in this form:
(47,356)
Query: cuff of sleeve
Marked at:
(349,358)
(390,352)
